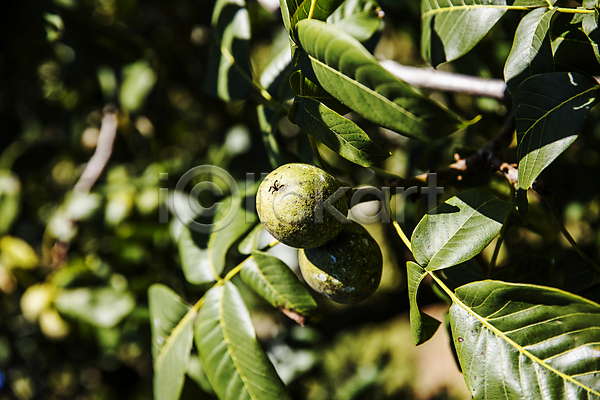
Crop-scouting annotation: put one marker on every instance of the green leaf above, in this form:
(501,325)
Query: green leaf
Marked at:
(362,26)
(345,69)
(451,28)
(229,75)
(139,79)
(203,248)
(459,229)
(172,322)
(10,193)
(338,133)
(322,10)
(550,110)
(103,306)
(574,50)
(517,341)
(275,282)
(303,87)
(234,362)
(423,326)
(275,76)
(531,52)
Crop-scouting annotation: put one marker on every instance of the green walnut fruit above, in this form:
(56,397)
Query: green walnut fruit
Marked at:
(301,205)
(346,269)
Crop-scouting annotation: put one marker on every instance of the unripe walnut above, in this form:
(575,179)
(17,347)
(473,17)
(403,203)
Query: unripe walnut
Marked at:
(301,205)
(346,269)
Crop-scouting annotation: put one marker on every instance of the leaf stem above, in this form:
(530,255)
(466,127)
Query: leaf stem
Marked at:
(313,5)
(402,235)
(556,217)
(501,235)
(235,270)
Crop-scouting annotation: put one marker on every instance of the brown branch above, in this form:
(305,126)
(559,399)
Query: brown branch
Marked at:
(91,173)
(106,138)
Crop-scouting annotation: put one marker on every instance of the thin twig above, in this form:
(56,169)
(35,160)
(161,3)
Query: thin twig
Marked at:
(447,81)
(106,138)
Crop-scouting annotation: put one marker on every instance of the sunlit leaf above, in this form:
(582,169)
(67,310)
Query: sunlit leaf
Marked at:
(171,321)
(531,53)
(101,306)
(322,10)
(229,75)
(458,229)
(423,326)
(451,28)
(362,26)
(270,278)
(139,79)
(234,362)
(550,110)
(517,341)
(345,69)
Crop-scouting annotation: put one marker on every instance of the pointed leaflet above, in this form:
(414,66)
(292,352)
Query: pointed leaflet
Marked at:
(550,110)
(517,341)
(338,133)
(423,326)
(531,52)
(228,75)
(234,362)
(451,28)
(203,247)
(303,87)
(459,229)
(172,322)
(345,69)
(274,281)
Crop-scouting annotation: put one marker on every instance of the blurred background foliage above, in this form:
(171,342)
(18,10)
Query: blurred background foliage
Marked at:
(75,324)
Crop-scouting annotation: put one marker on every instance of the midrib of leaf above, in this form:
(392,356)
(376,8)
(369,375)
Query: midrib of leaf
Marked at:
(458,229)
(502,335)
(366,89)
(342,138)
(466,7)
(192,312)
(228,344)
(545,116)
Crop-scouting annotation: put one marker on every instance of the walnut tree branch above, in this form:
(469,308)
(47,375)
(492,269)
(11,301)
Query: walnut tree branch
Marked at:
(447,81)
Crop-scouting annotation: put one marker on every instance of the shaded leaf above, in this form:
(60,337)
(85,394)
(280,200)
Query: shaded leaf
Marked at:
(229,75)
(573,49)
(275,76)
(196,372)
(338,133)
(531,51)
(267,121)
(423,326)
(203,247)
(550,110)
(345,69)
(172,335)
(459,229)
(451,28)
(525,341)
(303,87)
(275,282)
(234,362)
